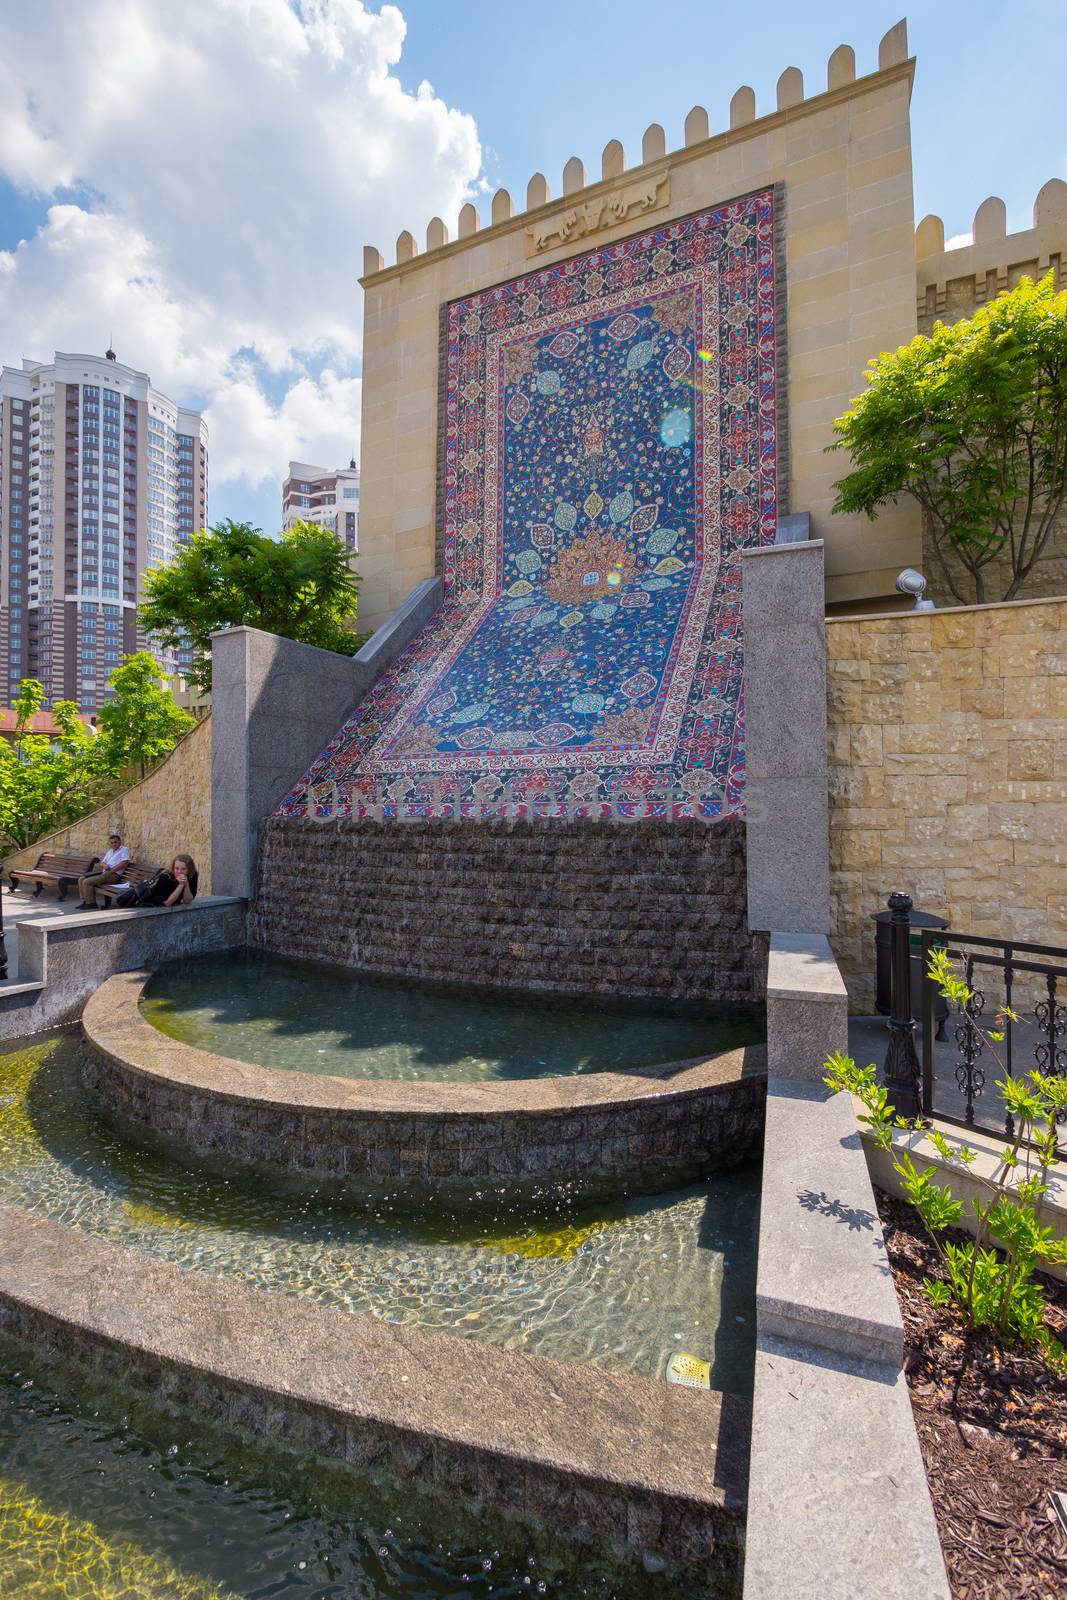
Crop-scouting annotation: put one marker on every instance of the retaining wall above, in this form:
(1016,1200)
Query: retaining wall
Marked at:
(567,906)
(168,811)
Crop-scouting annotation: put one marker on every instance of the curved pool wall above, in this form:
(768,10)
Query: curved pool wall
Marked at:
(101,1498)
(605,1455)
(621,1286)
(596,1136)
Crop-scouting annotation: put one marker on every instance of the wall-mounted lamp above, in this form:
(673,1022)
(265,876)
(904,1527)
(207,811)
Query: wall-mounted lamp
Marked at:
(912,582)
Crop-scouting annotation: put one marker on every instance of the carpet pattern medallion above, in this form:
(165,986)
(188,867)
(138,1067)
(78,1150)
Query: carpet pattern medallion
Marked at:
(609,448)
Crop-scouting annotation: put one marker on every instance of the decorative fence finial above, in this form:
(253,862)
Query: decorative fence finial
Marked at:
(406,248)
(573,176)
(929,237)
(654,143)
(697,127)
(537,193)
(469,221)
(373,260)
(990,220)
(1051,203)
(613,161)
(503,206)
(894,46)
(841,67)
(436,234)
(790,88)
(743,107)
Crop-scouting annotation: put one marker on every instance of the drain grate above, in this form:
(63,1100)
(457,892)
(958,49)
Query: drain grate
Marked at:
(689,1371)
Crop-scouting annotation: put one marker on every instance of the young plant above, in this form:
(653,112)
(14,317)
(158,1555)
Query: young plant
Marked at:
(992,1287)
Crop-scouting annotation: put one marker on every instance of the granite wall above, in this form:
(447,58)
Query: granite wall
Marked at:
(948,773)
(564,906)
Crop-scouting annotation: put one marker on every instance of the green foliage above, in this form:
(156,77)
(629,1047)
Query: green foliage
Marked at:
(972,423)
(48,780)
(991,1287)
(142,723)
(45,779)
(300,586)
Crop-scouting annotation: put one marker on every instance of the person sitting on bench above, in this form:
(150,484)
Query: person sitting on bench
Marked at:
(111,870)
(173,886)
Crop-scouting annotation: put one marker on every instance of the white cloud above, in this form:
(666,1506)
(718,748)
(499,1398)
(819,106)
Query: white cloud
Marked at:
(958,241)
(237,167)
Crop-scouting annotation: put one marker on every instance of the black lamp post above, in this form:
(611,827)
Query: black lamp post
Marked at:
(902,1073)
(3,946)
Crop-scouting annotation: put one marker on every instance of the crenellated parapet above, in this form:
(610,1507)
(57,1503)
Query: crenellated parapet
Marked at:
(622,194)
(953,282)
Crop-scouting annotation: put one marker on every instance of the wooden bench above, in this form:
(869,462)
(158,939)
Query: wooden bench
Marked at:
(52,868)
(135,874)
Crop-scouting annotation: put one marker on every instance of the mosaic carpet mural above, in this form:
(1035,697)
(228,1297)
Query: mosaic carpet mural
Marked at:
(609,448)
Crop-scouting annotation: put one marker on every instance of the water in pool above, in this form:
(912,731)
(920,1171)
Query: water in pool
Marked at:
(620,1286)
(94,1508)
(312,1018)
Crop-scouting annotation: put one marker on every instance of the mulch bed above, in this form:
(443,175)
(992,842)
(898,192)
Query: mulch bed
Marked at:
(992,1424)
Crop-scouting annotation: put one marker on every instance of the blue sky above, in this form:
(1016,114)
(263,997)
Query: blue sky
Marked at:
(217,235)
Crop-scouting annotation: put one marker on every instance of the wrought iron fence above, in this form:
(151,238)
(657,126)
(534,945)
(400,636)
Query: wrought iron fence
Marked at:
(959,1072)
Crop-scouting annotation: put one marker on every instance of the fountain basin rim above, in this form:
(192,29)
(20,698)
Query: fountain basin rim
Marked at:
(115,1027)
(622,1455)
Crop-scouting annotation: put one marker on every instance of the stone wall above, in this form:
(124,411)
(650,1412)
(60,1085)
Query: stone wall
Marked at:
(568,906)
(170,810)
(948,773)
(953,284)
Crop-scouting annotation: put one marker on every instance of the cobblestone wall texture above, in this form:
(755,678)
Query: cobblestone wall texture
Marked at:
(647,908)
(948,773)
(170,810)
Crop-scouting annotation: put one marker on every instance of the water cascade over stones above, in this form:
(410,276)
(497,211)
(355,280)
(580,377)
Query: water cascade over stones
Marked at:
(649,909)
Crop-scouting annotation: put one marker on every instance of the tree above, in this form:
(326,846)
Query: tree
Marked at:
(142,723)
(972,423)
(300,586)
(46,779)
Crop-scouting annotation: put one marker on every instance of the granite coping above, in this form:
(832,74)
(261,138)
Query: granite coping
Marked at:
(115,1027)
(801,966)
(839,1506)
(824,1276)
(605,1430)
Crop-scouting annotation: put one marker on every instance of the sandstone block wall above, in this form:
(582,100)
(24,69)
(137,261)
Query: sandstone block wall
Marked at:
(647,908)
(168,811)
(948,773)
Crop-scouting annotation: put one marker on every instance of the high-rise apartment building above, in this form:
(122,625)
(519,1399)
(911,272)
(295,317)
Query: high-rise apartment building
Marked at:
(101,478)
(322,494)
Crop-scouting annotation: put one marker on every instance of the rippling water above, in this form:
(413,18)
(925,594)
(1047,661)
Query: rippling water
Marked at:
(619,1286)
(311,1018)
(93,1509)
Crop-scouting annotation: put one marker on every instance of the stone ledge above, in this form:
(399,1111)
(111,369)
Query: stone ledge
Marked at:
(839,1507)
(600,1134)
(807,1006)
(824,1276)
(606,1453)
(63,959)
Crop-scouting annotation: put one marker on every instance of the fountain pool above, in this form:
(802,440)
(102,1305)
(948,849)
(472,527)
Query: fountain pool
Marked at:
(312,1018)
(621,1285)
(94,1506)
